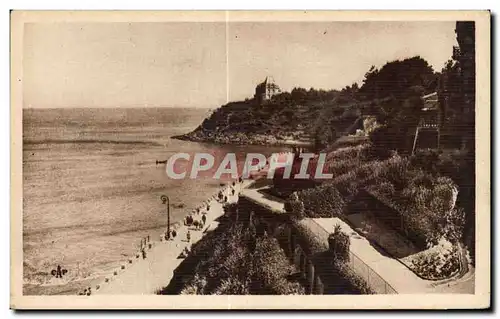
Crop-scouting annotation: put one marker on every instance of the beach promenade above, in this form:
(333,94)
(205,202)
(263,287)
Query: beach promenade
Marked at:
(147,276)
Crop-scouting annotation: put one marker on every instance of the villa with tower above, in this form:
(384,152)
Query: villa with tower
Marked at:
(266,90)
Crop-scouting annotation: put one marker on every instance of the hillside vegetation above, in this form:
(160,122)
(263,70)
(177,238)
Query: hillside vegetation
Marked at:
(427,197)
(287,116)
(234,260)
(318,115)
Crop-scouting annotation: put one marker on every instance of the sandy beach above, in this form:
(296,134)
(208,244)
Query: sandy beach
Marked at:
(146,276)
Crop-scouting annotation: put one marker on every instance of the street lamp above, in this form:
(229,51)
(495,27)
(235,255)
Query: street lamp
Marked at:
(166,200)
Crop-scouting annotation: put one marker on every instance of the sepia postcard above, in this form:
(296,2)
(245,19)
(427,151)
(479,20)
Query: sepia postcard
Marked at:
(250,160)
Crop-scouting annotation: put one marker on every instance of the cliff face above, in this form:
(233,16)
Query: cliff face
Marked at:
(250,122)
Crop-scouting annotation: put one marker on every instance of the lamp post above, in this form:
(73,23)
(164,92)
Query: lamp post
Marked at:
(166,200)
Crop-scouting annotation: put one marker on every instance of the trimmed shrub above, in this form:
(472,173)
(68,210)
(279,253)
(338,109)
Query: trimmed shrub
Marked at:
(339,243)
(311,237)
(272,268)
(322,201)
(357,285)
(295,207)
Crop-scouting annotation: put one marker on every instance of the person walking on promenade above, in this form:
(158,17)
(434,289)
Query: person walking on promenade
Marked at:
(232,191)
(204,219)
(188,236)
(58,272)
(185,252)
(143,253)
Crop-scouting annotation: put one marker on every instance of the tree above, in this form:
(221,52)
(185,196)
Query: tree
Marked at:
(396,78)
(299,95)
(465,56)
(398,89)
(449,94)
(295,206)
(324,134)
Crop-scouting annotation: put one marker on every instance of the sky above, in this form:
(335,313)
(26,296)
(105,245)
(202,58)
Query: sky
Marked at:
(190,64)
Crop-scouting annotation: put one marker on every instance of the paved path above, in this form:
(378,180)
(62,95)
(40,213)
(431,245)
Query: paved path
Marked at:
(146,276)
(277,205)
(400,277)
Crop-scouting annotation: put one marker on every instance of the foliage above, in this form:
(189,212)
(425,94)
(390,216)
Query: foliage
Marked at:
(425,204)
(339,243)
(322,201)
(315,242)
(385,189)
(272,268)
(295,206)
(397,171)
(230,209)
(357,284)
(312,238)
(449,94)
(232,286)
(324,135)
(343,160)
(227,264)
(286,116)
(195,287)
(396,78)
(439,262)
(384,139)
(422,197)
(457,87)
(450,164)
(398,120)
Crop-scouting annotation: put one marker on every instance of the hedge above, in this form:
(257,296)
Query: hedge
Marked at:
(322,201)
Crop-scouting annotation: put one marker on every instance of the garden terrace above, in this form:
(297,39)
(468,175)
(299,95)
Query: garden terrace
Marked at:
(312,255)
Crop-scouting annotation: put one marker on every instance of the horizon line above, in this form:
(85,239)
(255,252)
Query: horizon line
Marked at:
(117,107)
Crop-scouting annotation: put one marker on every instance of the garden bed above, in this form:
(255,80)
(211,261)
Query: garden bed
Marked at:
(439,262)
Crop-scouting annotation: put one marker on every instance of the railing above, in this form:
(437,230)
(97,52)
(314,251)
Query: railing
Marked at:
(372,278)
(428,123)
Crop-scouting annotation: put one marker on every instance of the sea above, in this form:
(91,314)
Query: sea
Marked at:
(92,187)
